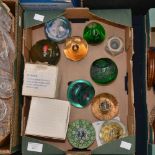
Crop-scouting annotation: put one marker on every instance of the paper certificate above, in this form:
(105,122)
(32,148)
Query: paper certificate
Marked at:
(40,80)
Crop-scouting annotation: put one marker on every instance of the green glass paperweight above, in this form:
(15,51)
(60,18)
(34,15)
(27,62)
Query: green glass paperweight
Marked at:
(94,33)
(81,134)
(103,71)
(80,93)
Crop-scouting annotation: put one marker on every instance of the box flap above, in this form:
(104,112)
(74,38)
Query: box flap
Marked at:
(152,17)
(116,146)
(151,149)
(47,149)
(120,16)
(29,15)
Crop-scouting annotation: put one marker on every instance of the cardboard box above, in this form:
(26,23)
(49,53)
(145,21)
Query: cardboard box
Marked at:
(121,88)
(150,92)
(13,142)
(46,4)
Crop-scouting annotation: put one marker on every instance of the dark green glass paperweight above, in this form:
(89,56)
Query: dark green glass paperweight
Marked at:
(94,33)
(45,51)
(103,71)
(80,93)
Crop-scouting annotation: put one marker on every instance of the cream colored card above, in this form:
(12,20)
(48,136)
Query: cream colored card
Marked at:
(40,80)
(48,118)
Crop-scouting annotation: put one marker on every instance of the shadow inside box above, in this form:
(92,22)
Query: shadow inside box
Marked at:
(81,150)
(17,153)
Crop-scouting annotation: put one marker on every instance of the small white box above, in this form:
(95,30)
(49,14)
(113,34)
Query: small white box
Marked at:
(48,118)
(40,80)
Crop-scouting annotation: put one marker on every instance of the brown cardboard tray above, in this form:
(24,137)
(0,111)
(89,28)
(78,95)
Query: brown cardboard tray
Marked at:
(80,70)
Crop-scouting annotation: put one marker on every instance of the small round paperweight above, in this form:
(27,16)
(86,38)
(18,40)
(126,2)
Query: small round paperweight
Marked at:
(80,93)
(103,71)
(94,33)
(76,48)
(58,29)
(105,106)
(112,130)
(81,134)
(114,45)
(45,51)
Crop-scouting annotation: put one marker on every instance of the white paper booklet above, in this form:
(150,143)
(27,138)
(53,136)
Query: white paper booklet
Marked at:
(48,118)
(40,80)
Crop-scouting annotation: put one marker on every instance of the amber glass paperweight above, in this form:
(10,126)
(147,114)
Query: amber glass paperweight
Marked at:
(45,51)
(81,134)
(76,48)
(58,29)
(80,93)
(112,130)
(103,71)
(151,67)
(105,106)
(94,33)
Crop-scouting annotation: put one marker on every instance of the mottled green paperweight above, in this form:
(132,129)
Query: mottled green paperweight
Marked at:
(80,93)
(45,51)
(81,134)
(94,33)
(103,71)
